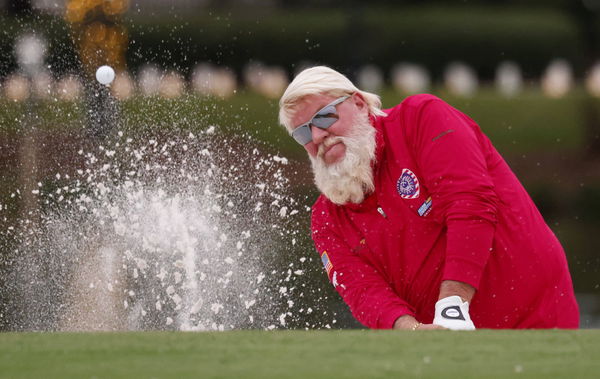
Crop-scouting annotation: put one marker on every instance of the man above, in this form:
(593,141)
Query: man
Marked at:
(421,224)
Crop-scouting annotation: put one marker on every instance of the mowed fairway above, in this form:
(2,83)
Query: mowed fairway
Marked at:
(300,354)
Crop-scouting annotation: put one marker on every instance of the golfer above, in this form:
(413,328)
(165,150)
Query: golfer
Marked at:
(421,224)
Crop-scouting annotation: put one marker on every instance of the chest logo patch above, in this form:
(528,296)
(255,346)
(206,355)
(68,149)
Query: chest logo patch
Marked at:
(408,185)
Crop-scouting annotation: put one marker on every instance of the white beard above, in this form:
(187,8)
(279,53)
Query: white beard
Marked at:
(350,179)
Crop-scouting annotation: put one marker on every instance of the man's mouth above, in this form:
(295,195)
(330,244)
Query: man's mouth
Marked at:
(325,147)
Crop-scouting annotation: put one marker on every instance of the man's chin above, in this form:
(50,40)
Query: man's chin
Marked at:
(338,184)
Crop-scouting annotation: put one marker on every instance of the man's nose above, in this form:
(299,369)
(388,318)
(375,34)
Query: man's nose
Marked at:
(318,134)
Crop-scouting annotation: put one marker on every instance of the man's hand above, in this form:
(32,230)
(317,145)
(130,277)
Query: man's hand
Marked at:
(407,322)
(452,313)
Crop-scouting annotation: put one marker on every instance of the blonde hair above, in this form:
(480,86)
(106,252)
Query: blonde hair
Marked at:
(321,80)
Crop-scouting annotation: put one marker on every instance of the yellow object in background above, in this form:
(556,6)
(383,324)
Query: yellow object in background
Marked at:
(100,37)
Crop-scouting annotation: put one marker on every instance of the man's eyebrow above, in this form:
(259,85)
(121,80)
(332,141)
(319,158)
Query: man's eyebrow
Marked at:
(316,112)
(321,108)
(442,134)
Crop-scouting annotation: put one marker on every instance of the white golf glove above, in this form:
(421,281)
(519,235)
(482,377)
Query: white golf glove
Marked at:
(452,313)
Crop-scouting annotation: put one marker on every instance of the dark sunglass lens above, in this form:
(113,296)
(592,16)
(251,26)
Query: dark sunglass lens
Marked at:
(324,122)
(325,118)
(302,135)
(327,111)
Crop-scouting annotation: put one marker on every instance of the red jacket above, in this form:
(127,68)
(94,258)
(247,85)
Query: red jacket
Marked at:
(446,206)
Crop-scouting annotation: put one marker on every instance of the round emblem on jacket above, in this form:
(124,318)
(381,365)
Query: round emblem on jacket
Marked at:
(408,185)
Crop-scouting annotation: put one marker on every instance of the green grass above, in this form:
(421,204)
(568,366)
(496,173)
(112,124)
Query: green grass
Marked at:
(299,354)
(527,123)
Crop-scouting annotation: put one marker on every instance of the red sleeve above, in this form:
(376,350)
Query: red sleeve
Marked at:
(450,152)
(371,300)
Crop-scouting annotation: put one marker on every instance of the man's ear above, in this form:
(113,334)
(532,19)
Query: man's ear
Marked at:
(359,101)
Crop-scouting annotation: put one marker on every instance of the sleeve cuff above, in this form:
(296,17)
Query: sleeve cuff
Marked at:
(389,318)
(463,271)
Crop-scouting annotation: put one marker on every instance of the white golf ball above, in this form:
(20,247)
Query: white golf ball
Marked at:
(105,74)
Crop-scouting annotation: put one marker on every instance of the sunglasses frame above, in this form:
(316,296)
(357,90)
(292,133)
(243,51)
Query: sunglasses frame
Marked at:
(302,133)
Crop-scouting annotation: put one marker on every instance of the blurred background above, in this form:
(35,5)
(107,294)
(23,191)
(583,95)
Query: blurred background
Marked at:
(527,71)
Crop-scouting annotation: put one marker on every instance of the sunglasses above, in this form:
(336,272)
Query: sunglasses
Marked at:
(323,119)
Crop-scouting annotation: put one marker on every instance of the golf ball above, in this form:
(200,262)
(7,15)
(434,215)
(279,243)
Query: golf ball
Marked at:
(105,74)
